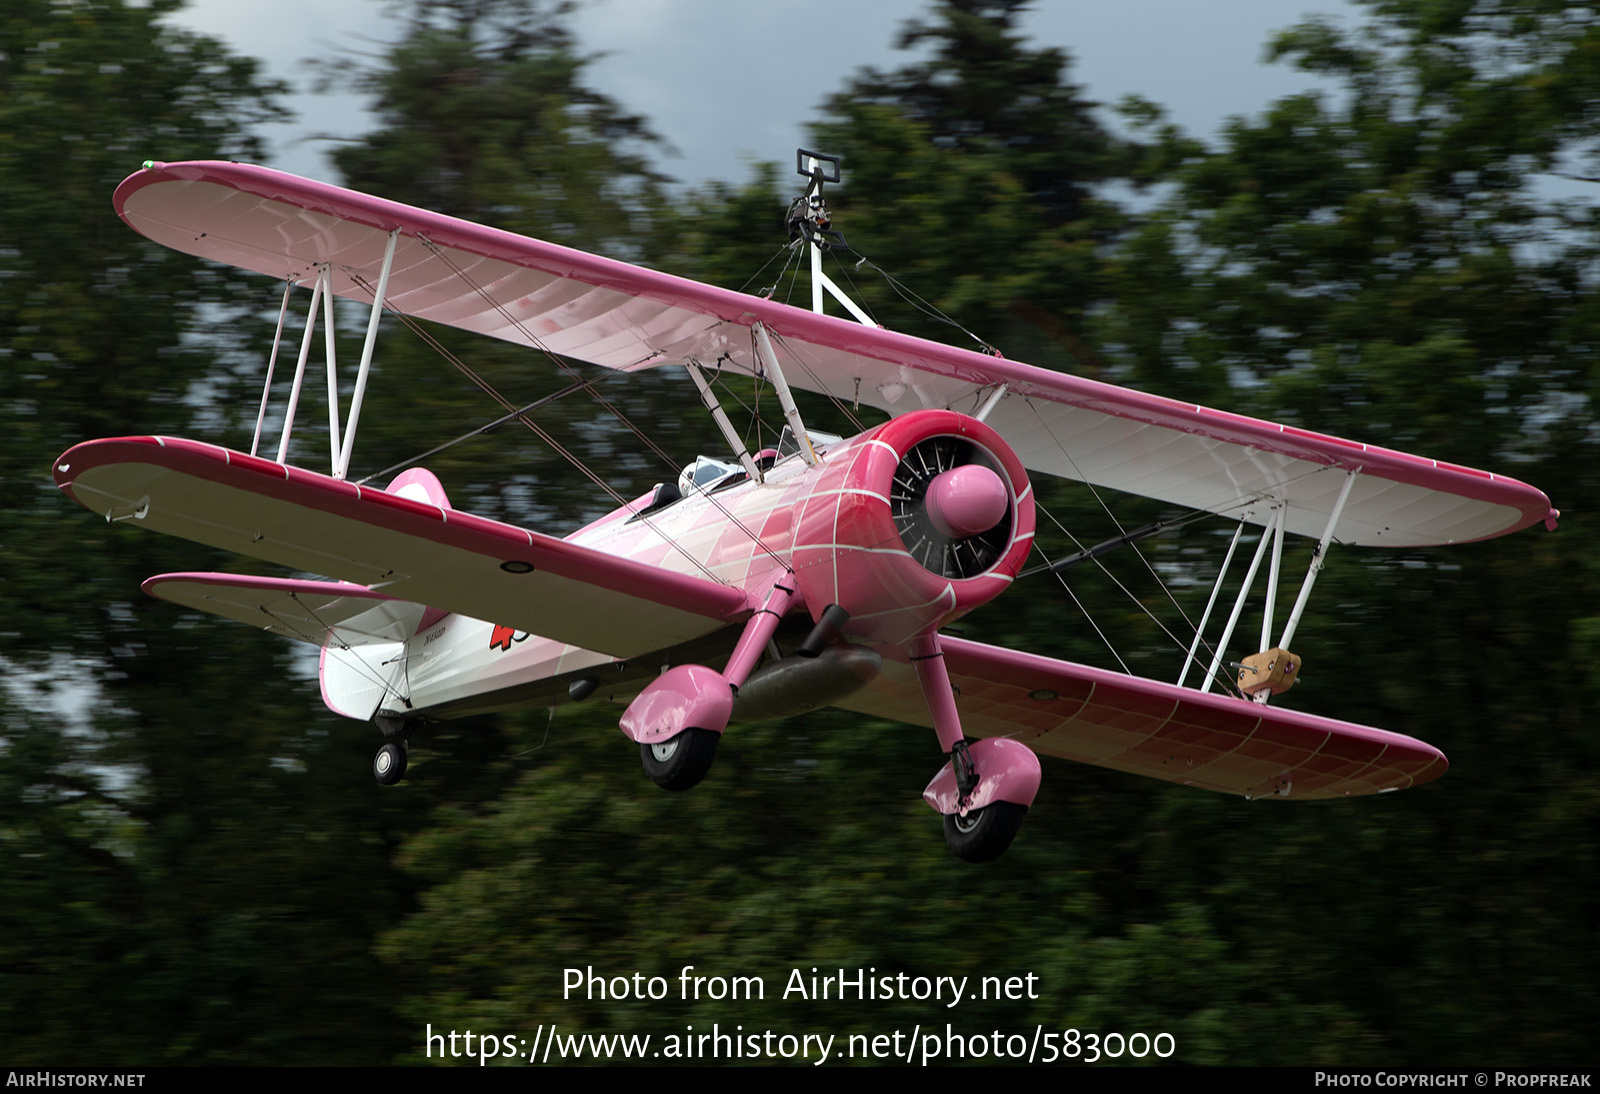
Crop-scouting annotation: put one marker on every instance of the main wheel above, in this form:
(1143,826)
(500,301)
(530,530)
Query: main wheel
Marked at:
(389,765)
(682,761)
(984,834)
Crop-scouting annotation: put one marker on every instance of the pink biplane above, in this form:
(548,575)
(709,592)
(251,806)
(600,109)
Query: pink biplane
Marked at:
(820,573)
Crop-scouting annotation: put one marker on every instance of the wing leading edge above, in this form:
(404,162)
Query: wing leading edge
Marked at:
(1158,730)
(624,317)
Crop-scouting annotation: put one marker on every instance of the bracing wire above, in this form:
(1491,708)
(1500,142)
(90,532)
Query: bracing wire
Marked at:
(789,256)
(791,268)
(1109,645)
(817,385)
(538,430)
(607,404)
(844,271)
(1120,529)
(929,309)
(478,432)
(926,307)
(329,629)
(1060,576)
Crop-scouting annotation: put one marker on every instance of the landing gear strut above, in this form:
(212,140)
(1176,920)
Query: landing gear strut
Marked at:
(986,788)
(678,719)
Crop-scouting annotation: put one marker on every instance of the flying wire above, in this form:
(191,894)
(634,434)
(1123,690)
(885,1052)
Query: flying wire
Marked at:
(818,386)
(926,307)
(785,250)
(482,429)
(1120,529)
(1062,578)
(929,309)
(342,646)
(538,430)
(791,267)
(1060,575)
(542,743)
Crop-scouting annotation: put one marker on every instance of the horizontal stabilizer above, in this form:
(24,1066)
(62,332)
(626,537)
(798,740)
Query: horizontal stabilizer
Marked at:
(1159,730)
(323,613)
(396,546)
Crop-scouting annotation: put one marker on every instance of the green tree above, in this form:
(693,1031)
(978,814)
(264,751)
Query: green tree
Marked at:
(807,846)
(976,175)
(485,113)
(1393,265)
(979,150)
(182,884)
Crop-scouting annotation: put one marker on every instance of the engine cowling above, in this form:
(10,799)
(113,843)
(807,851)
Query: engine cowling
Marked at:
(912,524)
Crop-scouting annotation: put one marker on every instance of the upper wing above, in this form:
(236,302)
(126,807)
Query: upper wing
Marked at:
(625,317)
(1147,728)
(397,546)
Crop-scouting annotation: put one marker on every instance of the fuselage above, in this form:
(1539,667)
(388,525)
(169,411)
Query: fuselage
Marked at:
(828,524)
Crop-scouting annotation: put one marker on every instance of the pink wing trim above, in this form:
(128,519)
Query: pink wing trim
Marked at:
(281,585)
(622,316)
(1165,732)
(318,612)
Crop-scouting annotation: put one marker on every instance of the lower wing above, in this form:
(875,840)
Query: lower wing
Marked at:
(395,546)
(1160,730)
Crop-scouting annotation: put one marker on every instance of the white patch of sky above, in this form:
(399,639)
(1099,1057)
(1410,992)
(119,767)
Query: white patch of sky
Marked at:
(63,687)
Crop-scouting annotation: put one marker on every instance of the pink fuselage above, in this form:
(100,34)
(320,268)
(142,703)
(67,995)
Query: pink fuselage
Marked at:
(826,524)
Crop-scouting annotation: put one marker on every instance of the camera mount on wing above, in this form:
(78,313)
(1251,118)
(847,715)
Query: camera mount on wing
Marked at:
(808,217)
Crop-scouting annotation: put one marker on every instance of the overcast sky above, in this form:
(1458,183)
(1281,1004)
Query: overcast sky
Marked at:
(733,81)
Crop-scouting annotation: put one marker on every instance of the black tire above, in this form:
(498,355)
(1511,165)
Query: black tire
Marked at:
(984,834)
(389,765)
(682,761)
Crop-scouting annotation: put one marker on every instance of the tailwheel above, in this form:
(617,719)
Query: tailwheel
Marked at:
(984,834)
(680,762)
(389,765)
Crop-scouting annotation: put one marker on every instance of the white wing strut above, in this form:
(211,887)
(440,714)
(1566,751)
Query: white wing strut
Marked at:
(272,362)
(300,368)
(791,413)
(1274,527)
(1318,558)
(342,465)
(1273,534)
(1205,616)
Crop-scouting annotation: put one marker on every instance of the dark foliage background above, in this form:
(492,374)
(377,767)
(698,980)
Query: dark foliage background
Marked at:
(197,870)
